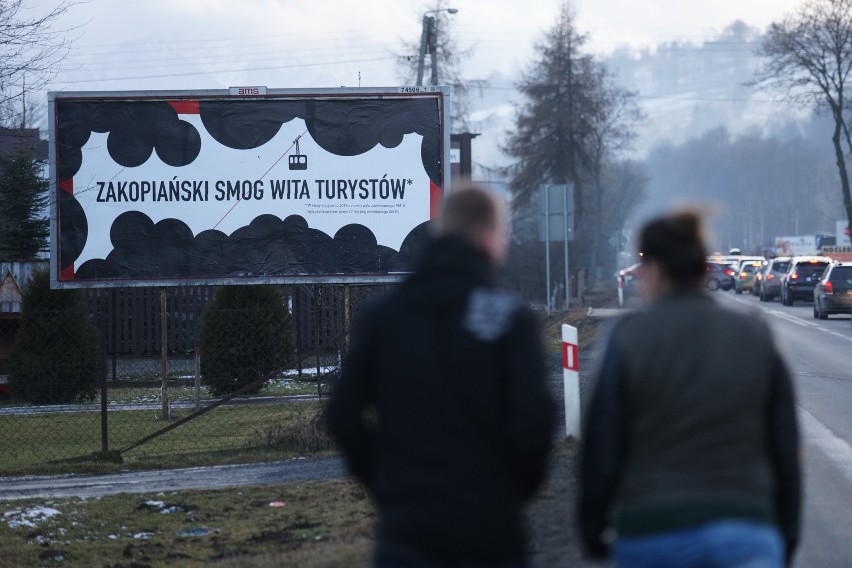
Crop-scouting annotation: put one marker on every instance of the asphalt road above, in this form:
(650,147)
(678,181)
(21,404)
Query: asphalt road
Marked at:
(818,352)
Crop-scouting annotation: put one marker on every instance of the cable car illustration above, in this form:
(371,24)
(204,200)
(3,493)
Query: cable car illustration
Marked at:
(298,161)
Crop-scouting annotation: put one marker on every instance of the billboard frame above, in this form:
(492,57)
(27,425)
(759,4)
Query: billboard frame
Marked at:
(440,93)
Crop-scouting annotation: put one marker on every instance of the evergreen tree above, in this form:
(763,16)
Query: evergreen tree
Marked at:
(56,357)
(24,226)
(246,332)
(570,130)
(549,141)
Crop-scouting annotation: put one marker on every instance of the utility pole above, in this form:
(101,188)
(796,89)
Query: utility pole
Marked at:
(427,41)
(433,52)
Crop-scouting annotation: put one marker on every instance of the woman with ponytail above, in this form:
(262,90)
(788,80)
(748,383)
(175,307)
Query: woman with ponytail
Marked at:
(690,450)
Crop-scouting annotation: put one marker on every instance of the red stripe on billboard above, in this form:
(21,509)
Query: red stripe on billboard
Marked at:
(185,107)
(67,273)
(435,195)
(66,185)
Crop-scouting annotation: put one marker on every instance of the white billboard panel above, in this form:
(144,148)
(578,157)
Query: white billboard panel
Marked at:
(171,188)
(799,245)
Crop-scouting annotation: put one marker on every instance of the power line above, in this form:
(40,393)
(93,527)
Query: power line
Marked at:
(218,71)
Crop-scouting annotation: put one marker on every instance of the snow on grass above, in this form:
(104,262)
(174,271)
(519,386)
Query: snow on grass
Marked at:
(29,517)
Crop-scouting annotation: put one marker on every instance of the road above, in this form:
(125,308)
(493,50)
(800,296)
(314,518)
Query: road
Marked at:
(818,352)
(242,475)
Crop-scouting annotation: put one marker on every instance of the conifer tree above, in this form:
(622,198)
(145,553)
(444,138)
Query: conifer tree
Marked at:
(246,332)
(24,224)
(56,357)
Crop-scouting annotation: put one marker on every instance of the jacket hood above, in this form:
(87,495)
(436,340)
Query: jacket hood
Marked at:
(449,267)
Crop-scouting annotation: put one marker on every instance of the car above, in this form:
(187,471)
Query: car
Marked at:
(744,278)
(833,293)
(802,278)
(720,275)
(770,283)
(758,278)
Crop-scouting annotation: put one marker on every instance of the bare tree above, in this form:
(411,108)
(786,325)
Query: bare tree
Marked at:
(612,122)
(31,48)
(450,57)
(809,56)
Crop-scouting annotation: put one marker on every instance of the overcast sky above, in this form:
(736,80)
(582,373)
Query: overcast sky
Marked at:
(180,44)
(122,45)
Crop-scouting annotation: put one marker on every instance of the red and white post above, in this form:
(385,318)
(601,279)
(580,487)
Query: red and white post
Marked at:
(571,380)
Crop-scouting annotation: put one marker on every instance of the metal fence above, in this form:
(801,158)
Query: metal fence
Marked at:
(152,379)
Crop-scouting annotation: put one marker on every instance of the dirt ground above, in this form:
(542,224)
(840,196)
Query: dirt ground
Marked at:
(553,533)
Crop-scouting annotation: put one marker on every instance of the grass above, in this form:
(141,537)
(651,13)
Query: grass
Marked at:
(327,524)
(320,524)
(229,434)
(588,329)
(147,391)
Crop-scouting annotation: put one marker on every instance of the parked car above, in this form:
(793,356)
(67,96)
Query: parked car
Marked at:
(744,278)
(720,275)
(770,283)
(833,293)
(802,278)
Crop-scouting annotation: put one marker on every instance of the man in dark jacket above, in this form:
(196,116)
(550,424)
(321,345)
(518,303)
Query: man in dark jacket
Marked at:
(442,410)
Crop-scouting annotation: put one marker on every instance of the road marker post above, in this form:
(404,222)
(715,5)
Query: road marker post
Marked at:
(571,380)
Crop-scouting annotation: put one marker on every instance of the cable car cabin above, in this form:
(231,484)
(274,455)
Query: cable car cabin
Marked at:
(298,162)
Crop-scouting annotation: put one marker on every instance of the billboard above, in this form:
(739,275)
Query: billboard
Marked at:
(244,185)
(799,245)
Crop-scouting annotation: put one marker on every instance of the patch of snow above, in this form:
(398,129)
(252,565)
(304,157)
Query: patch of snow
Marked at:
(29,517)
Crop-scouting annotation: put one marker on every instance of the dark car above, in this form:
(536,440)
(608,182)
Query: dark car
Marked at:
(802,278)
(770,282)
(833,293)
(720,275)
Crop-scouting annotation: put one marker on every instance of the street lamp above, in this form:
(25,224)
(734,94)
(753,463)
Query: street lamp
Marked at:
(427,40)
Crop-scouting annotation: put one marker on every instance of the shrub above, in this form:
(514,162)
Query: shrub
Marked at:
(56,357)
(246,333)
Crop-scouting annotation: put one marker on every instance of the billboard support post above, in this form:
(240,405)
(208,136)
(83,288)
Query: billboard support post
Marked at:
(346,315)
(164,354)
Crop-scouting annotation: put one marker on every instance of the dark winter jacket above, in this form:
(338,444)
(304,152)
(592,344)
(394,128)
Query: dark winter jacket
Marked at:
(692,421)
(442,410)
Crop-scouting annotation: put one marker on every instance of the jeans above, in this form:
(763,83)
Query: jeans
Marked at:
(724,544)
